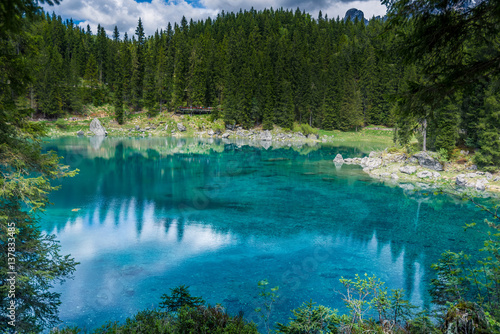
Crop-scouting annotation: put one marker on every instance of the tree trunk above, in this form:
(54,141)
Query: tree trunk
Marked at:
(424,132)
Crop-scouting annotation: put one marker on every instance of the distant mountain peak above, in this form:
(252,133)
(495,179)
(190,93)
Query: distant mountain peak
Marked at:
(354,13)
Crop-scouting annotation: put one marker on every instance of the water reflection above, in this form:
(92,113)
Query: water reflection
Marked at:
(220,216)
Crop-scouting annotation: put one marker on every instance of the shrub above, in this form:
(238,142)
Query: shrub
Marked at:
(311,319)
(179,298)
(306,129)
(211,319)
(61,123)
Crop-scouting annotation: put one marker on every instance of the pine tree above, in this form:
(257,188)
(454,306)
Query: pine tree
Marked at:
(138,66)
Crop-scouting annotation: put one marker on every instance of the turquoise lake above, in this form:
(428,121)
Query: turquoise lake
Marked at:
(145,215)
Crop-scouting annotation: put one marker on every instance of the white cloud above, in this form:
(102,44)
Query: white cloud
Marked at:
(155,15)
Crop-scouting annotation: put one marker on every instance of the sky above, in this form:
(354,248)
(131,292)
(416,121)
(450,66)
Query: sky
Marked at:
(155,14)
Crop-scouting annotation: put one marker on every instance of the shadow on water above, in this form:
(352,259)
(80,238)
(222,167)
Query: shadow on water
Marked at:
(220,216)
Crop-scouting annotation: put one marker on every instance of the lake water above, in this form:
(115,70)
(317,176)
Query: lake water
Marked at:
(146,215)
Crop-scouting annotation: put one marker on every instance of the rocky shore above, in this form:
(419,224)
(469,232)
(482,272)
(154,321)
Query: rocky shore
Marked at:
(180,129)
(424,170)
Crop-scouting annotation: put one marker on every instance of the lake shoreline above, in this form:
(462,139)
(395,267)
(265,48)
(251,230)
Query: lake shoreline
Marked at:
(403,169)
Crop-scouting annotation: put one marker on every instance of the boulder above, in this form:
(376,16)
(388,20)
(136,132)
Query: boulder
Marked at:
(481,184)
(424,174)
(97,128)
(266,135)
(489,176)
(147,128)
(394,176)
(496,179)
(240,133)
(471,175)
(462,181)
(395,157)
(166,127)
(299,134)
(226,135)
(472,167)
(181,127)
(210,132)
(371,163)
(80,133)
(338,159)
(312,136)
(385,175)
(426,161)
(408,169)
(374,154)
(137,128)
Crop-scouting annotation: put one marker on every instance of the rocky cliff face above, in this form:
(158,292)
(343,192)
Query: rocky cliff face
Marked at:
(353,14)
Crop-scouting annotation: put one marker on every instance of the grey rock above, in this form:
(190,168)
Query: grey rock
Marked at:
(408,169)
(210,132)
(426,161)
(97,128)
(166,127)
(462,181)
(374,154)
(312,136)
(137,128)
(338,159)
(147,128)
(413,160)
(436,175)
(181,127)
(496,179)
(424,174)
(481,184)
(266,135)
(226,135)
(395,157)
(385,175)
(480,173)
(394,176)
(462,152)
(241,133)
(371,163)
(80,133)
(471,175)
(472,167)
(299,134)
(352,161)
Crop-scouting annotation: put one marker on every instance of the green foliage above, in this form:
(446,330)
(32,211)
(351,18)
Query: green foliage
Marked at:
(443,155)
(422,323)
(306,129)
(461,278)
(310,319)
(212,319)
(268,298)
(179,298)
(61,124)
(368,296)
(26,176)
